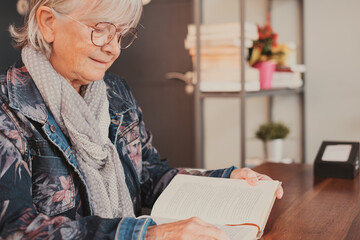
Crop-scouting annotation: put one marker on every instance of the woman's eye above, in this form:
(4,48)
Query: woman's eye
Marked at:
(99,30)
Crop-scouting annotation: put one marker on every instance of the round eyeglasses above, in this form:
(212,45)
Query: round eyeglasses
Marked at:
(104,32)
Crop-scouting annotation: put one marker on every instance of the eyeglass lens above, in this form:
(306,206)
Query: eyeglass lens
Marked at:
(128,38)
(104,33)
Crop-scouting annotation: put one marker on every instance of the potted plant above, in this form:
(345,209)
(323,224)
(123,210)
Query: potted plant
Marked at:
(266,54)
(272,134)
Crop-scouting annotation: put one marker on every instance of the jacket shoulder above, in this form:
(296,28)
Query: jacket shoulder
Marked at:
(3,84)
(9,124)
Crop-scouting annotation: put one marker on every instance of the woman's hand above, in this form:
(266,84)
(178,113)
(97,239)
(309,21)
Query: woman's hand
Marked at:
(253,178)
(192,228)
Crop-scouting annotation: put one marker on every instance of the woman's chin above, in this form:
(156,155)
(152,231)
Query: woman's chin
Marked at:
(95,76)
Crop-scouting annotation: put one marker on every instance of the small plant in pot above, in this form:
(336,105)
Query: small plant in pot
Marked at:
(272,134)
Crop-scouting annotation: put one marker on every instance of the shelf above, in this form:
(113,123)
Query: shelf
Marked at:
(240,90)
(270,92)
(274,92)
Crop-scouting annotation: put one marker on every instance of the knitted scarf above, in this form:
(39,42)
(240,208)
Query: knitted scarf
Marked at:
(85,120)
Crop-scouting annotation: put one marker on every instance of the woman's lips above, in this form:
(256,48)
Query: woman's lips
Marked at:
(104,63)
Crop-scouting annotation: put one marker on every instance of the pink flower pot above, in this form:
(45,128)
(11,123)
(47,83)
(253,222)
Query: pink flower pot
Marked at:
(266,70)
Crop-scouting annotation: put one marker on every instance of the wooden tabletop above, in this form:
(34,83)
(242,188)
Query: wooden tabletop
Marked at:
(312,208)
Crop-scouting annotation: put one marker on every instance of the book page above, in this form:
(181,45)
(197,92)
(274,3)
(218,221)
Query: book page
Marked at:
(236,233)
(240,232)
(216,200)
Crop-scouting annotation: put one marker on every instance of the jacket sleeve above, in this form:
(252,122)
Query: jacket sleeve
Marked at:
(19,218)
(156,173)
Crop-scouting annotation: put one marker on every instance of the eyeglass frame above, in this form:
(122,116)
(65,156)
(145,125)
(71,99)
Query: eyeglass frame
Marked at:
(93,28)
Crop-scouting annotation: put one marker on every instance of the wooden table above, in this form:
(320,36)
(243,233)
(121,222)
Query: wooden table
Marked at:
(312,208)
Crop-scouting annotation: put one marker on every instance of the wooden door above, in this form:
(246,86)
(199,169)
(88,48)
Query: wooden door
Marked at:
(8,15)
(168,110)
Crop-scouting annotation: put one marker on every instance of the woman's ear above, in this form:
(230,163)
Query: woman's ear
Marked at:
(46,23)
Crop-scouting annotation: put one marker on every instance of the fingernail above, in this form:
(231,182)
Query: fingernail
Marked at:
(281,195)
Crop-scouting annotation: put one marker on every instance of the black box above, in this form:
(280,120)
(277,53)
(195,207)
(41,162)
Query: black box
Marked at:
(333,168)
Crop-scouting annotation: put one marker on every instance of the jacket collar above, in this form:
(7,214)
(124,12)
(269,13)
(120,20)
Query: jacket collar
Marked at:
(119,94)
(23,93)
(25,97)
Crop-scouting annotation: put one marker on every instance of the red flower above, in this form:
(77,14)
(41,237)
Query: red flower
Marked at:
(262,48)
(274,41)
(265,32)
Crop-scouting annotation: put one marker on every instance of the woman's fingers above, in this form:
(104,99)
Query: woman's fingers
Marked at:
(279,193)
(252,178)
(191,229)
(247,174)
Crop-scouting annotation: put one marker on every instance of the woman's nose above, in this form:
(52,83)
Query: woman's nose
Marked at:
(113,47)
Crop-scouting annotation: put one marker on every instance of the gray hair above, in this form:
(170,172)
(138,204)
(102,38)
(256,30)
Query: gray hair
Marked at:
(124,12)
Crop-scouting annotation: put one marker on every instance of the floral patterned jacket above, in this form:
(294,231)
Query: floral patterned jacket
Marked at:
(42,191)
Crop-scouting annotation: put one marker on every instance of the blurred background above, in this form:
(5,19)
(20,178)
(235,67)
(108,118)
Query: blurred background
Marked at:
(323,37)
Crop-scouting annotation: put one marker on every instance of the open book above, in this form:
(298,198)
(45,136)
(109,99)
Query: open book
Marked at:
(233,205)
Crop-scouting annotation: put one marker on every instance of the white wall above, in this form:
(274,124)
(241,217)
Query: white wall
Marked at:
(333,84)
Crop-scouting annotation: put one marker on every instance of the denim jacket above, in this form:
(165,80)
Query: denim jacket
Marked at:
(42,191)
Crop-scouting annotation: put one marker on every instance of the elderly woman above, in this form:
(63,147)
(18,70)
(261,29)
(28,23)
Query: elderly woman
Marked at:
(76,160)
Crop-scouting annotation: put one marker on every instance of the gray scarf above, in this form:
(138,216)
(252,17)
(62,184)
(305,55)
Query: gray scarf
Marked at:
(85,120)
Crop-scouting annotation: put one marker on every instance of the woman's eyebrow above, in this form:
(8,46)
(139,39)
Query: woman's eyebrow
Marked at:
(121,28)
